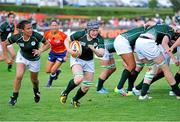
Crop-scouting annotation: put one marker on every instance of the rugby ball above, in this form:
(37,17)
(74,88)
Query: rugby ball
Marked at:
(76,46)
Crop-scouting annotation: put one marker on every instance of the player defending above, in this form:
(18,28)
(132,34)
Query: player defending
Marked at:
(148,51)
(27,57)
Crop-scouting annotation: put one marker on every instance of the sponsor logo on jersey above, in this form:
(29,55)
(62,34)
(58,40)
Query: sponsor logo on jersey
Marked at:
(21,44)
(8,29)
(83,43)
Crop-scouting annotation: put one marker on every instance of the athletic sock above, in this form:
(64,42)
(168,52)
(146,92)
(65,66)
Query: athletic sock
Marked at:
(100,84)
(9,67)
(15,95)
(139,86)
(177,78)
(51,78)
(123,79)
(157,77)
(145,88)
(79,94)
(36,90)
(71,86)
(175,89)
(131,80)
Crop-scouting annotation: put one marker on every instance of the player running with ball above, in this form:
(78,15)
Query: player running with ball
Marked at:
(82,65)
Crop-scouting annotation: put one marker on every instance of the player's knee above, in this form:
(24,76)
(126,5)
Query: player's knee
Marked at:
(78,79)
(13,56)
(152,69)
(131,67)
(48,70)
(34,80)
(86,85)
(53,71)
(19,78)
(85,88)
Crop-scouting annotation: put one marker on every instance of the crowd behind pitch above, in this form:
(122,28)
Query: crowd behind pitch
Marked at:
(113,23)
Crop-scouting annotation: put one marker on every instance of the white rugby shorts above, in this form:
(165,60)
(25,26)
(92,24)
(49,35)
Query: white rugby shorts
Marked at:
(33,66)
(121,45)
(87,66)
(147,48)
(107,56)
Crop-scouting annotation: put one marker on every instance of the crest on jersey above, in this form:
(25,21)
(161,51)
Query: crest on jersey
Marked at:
(33,43)
(95,44)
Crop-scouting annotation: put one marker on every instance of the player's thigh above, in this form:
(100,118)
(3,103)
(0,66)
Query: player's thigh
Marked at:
(20,69)
(49,65)
(11,50)
(56,65)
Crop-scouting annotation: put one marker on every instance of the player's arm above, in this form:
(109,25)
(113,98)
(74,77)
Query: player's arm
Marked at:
(176,44)
(5,50)
(98,51)
(165,45)
(0,37)
(67,42)
(46,46)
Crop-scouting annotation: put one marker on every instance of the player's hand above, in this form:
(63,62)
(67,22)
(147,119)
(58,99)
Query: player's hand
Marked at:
(37,52)
(75,54)
(8,61)
(91,47)
(170,49)
(176,61)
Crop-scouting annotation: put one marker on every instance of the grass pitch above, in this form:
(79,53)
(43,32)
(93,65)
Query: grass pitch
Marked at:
(94,107)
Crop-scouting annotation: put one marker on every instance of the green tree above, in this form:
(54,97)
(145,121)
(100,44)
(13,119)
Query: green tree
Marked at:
(153,4)
(176,5)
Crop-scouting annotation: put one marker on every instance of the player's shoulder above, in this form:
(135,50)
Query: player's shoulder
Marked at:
(3,24)
(100,37)
(17,36)
(47,33)
(61,33)
(36,33)
(80,33)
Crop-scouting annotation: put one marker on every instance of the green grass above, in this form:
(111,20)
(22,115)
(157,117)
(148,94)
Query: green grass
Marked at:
(94,107)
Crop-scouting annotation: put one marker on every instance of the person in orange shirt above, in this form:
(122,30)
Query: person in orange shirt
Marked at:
(58,54)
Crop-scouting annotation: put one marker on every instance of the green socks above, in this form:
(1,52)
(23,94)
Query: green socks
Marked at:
(123,79)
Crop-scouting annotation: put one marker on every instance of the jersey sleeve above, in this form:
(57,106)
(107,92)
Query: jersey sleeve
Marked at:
(101,42)
(170,32)
(77,35)
(40,37)
(1,27)
(12,39)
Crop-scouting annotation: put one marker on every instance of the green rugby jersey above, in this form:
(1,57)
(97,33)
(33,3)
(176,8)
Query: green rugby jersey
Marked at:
(26,47)
(5,29)
(87,53)
(130,35)
(159,31)
(133,34)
